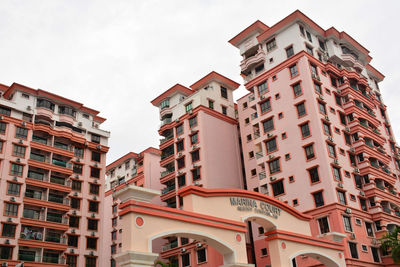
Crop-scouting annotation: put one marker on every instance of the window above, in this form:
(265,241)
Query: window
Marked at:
(271,45)
(336,174)
(271,145)
(309,36)
(277,188)
(196,174)
(322,108)
(73,241)
(164,104)
(76,185)
(96,138)
(43,103)
(77,168)
(211,104)
(318,199)
(194,139)
(74,221)
(224,92)
(93,206)
(8,230)
(289,51)
(11,209)
(323,225)
(261,230)
(21,133)
(309,149)
(301,30)
(297,89)
(91,261)
(265,106)
(3,127)
(268,125)
(353,250)
(78,152)
(185,258)
(19,151)
(375,254)
(75,203)
(331,150)
(309,50)
(201,255)
(195,156)
(327,128)
(91,243)
(347,224)
(274,166)
(113,249)
(224,111)
(13,189)
(92,224)
(264,252)
(193,122)
(259,68)
(317,88)
(16,169)
(181,162)
(179,146)
(114,221)
(253,172)
(189,107)
(305,130)
(301,109)
(368,227)
(96,156)
(342,197)
(114,235)
(338,101)
(179,129)
(181,180)
(94,172)
(321,44)
(293,70)
(6,252)
(262,88)
(94,189)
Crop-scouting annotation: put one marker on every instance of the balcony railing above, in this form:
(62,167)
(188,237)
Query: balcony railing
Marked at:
(31,235)
(259,154)
(59,180)
(57,218)
(61,163)
(165,173)
(262,175)
(36,195)
(168,189)
(38,157)
(170,246)
(165,121)
(58,199)
(386,210)
(29,257)
(63,146)
(55,239)
(169,137)
(254,116)
(40,140)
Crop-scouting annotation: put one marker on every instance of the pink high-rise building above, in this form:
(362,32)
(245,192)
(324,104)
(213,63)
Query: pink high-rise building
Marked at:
(200,146)
(316,134)
(52,168)
(141,169)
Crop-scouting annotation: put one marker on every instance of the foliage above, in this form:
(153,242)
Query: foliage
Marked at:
(391,242)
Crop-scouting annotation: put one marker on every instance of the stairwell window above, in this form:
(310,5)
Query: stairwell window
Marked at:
(342,197)
(201,255)
(309,150)
(21,133)
(318,199)
(271,45)
(271,145)
(196,174)
(262,88)
(274,166)
(301,109)
(297,89)
(193,122)
(189,107)
(305,130)
(289,51)
(336,174)
(278,188)
(293,70)
(309,50)
(268,125)
(265,106)
(353,250)
(314,176)
(16,169)
(224,92)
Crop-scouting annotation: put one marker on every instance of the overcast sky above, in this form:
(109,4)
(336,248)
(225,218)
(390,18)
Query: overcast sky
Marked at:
(116,56)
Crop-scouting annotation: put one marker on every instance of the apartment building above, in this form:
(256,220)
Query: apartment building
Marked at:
(316,134)
(200,146)
(53,156)
(141,169)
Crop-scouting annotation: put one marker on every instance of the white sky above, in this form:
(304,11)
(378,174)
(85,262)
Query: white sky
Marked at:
(116,56)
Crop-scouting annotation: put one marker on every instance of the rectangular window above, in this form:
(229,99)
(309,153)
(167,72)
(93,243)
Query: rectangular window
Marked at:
(323,225)
(305,130)
(271,145)
(370,230)
(297,89)
(293,70)
(195,156)
(262,88)
(274,166)
(194,139)
(77,168)
(321,44)
(211,104)
(338,101)
(93,224)
(179,146)
(181,180)
(8,230)
(268,125)
(314,176)
(327,128)
(318,199)
(224,110)
(164,104)
(201,255)
(309,50)
(277,188)
(96,156)
(96,138)
(342,197)
(19,151)
(74,221)
(224,92)
(185,258)
(347,224)
(16,169)
(265,106)
(317,88)
(331,151)
(271,45)
(90,261)
(322,108)
(78,152)
(94,172)
(189,107)
(3,127)
(181,162)
(91,243)
(179,129)
(301,28)
(289,51)
(196,174)
(14,189)
(76,185)
(309,151)
(21,133)
(6,252)
(93,206)
(75,203)
(11,209)
(309,36)
(336,174)
(73,241)
(193,122)
(375,254)
(94,189)
(353,250)
(301,109)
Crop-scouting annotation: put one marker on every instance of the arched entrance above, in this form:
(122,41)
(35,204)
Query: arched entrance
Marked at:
(218,218)
(319,256)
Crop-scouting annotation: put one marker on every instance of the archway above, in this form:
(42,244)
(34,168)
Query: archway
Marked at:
(316,256)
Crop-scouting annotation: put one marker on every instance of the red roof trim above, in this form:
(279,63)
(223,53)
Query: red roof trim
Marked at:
(121,160)
(176,88)
(375,72)
(214,76)
(258,25)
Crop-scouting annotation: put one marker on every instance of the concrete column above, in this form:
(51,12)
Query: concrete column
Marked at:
(278,257)
(135,259)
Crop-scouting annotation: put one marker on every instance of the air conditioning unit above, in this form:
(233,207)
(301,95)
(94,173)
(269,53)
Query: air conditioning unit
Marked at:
(93,215)
(352,149)
(95,181)
(347,129)
(12,199)
(326,118)
(9,220)
(93,234)
(374,241)
(197,183)
(20,141)
(262,97)
(321,97)
(28,108)
(94,198)
(7,242)
(177,120)
(179,154)
(4,264)
(347,210)
(180,172)
(194,165)
(1,117)
(15,178)
(80,123)
(272,178)
(271,156)
(356,170)
(330,138)
(74,212)
(18,160)
(98,146)
(23,123)
(335,161)
(72,250)
(199,245)
(96,165)
(178,138)
(269,134)
(340,185)
(91,253)
(194,147)
(192,131)
(78,160)
(362,193)
(183,250)
(190,111)
(353,236)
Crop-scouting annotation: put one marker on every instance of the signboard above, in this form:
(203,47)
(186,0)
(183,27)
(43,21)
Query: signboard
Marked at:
(261,207)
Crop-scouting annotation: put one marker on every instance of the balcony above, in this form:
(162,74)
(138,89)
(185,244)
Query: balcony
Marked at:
(165,173)
(168,189)
(262,175)
(61,163)
(248,63)
(167,138)
(55,238)
(58,199)
(254,116)
(39,157)
(57,218)
(346,88)
(352,107)
(169,246)
(63,146)
(165,121)
(357,126)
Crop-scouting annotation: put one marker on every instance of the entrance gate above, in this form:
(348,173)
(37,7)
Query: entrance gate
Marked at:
(218,217)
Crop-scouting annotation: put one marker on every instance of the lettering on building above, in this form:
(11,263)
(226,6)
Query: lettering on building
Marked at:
(261,207)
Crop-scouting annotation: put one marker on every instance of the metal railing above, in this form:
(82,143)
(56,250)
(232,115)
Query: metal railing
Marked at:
(165,173)
(168,189)
(61,163)
(169,246)
(58,199)
(169,137)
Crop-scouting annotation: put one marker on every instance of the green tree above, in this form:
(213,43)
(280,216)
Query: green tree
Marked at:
(163,264)
(390,242)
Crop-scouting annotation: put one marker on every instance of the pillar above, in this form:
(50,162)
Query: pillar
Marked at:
(135,259)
